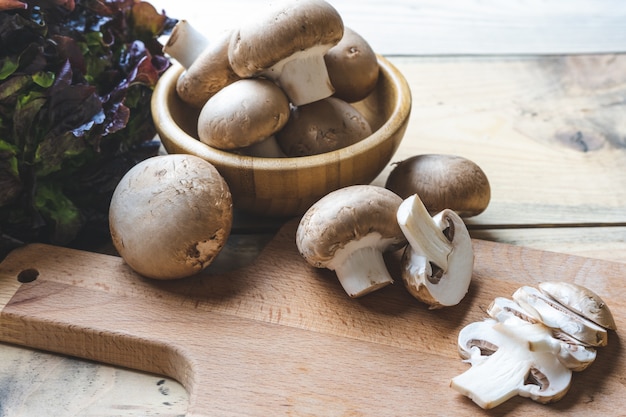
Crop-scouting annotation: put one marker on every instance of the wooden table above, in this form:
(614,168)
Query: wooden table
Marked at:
(532,91)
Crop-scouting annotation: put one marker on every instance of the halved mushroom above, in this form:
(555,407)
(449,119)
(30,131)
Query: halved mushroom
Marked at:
(580,300)
(347,231)
(352,67)
(323,126)
(206,63)
(243,113)
(437,264)
(556,316)
(288,45)
(504,365)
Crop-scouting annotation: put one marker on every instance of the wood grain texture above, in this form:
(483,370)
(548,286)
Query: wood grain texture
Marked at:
(547,131)
(280,338)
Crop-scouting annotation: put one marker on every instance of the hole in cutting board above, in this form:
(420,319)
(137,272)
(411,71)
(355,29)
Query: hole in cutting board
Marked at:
(27,275)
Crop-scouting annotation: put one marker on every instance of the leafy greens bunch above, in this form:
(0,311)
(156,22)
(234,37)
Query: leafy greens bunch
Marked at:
(75,90)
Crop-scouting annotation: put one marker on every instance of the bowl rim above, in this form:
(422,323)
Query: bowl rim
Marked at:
(168,128)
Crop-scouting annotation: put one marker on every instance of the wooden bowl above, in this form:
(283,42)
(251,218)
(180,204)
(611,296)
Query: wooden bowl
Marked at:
(284,187)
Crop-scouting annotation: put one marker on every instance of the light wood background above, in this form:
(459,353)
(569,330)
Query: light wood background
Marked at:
(531,90)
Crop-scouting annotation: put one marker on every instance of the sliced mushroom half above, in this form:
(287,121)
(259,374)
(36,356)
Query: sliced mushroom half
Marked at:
(437,264)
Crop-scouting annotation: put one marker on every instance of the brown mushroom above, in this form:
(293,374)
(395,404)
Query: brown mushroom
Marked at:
(242,114)
(288,45)
(170,216)
(442,182)
(352,67)
(347,231)
(323,126)
(206,63)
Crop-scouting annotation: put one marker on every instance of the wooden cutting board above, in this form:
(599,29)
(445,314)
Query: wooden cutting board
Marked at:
(281,338)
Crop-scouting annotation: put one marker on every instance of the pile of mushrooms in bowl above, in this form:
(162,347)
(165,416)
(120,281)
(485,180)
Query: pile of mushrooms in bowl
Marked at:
(267,167)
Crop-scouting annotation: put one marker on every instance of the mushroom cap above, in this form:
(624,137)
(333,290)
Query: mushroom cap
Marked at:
(170,216)
(209,73)
(346,215)
(322,126)
(580,300)
(442,181)
(243,113)
(293,27)
(352,67)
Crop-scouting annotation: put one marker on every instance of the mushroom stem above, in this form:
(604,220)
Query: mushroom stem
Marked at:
(303,76)
(360,266)
(185,43)
(422,232)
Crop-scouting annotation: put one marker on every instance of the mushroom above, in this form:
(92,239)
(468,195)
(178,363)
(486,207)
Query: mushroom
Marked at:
(529,346)
(569,351)
(170,216)
(207,69)
(347,231)
(556,316)
(438,262)
(323,126)
(288,45)
(507,360)
(352,67)
(442,181)
(580,300)
(243,113)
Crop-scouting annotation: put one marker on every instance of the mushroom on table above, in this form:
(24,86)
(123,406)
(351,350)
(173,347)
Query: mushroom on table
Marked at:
(438,262)
(347,231)
(530,344)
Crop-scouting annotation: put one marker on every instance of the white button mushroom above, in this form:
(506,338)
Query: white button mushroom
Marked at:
(437,264)
(242,114)
(170,216)
(347,231)
(323,126)
(206,63)
(288,45)
(352,67)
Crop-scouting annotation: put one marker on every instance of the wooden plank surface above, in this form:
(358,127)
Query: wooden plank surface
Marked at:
(519,117)
(280,337)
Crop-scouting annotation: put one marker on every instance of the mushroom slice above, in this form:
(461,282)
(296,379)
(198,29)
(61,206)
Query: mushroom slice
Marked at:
(554,315)
(580,300)
(511,367)
(347,231)
(570,352)
(288,45)
(438,263)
